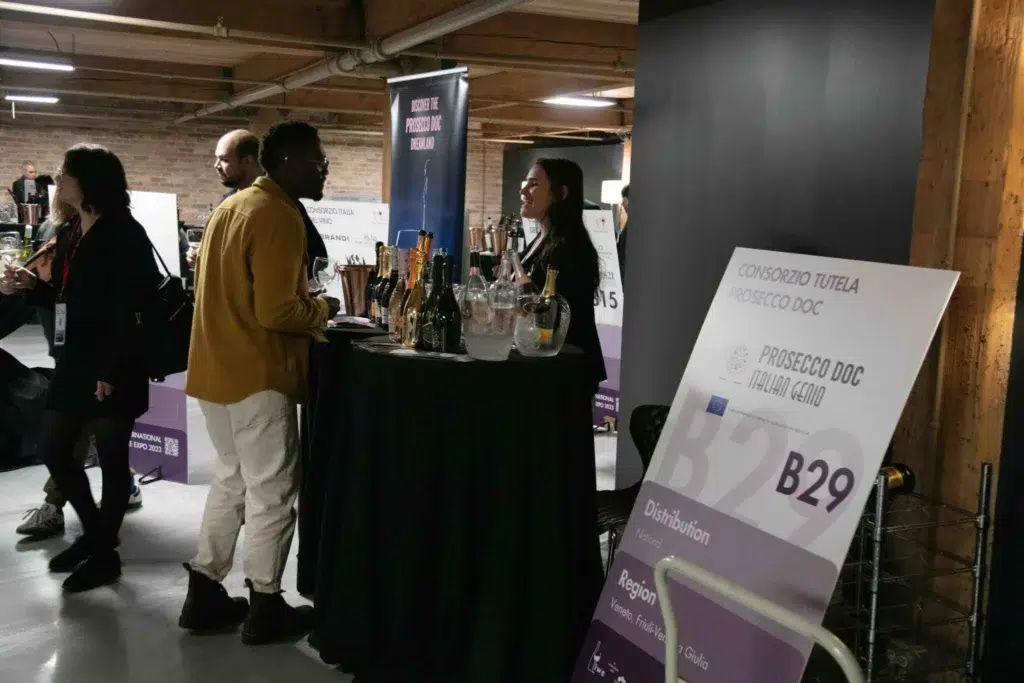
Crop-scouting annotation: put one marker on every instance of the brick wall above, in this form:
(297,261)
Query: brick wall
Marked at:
(179,159)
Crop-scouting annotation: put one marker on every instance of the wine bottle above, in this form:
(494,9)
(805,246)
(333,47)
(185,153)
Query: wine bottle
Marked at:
(524,283)
(428,336)
(899,478)
(474,300)
(546,310)
(447,319)
(389,288)
(398,298)
(414,303)
(371,286)
(385,276)
(26,245)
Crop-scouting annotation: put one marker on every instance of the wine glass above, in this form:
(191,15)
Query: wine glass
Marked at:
(324,272)
(194,237)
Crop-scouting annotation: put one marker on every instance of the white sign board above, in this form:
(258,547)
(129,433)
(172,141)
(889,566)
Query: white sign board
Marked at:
(608,301)
(158,214)
(350,231)
(777,431)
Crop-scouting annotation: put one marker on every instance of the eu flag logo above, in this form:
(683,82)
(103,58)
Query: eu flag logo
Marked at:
(717,405)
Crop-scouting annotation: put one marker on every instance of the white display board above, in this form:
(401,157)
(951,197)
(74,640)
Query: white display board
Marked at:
(158,214)
(608,301)
(350,230)
(773,442)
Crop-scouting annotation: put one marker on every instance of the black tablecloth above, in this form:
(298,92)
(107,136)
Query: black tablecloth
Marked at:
(323,397)
(459,537)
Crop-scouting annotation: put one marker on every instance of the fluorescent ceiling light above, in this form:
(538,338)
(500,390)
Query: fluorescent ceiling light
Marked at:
(37,99)
(42,63)
(593,102)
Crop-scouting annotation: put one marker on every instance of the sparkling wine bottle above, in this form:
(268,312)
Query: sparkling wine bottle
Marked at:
(389,288)
(524,283)
(414,303)
(371,285)
(899,478)
(385,276)
(474,300)
(428,336)
(446,319)
(546,310)
(398,298)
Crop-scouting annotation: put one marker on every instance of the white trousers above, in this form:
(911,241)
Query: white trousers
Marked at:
(256,478)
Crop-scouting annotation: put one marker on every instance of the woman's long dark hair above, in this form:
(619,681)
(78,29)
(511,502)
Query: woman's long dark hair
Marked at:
(101,178)
(565,215)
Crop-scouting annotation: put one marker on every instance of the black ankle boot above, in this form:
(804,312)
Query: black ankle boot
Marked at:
(272,620)
(208,607)
(102,568)
(72,556)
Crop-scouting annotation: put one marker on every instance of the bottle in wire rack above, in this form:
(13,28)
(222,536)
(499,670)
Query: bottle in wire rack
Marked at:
(428,336)
(414,302)
(447,318)
(899,478)
(374,283)
(389,288)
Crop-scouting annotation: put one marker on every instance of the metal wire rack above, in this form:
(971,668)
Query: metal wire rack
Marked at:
(907,608)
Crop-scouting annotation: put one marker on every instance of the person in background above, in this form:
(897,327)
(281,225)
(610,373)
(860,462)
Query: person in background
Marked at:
(30,189)
(47,520)
(103,270)
(237,162)
(620,245)
(254,317)
(553,196)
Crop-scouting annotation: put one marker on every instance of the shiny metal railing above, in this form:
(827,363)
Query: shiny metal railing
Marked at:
(750,600)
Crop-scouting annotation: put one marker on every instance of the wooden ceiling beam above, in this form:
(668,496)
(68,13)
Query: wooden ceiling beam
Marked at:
(303,19)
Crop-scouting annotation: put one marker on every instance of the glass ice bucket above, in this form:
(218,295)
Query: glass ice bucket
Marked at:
(541,326)
(488,325)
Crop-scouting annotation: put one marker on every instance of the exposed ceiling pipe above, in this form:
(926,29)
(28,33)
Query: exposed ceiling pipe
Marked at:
(568,66)
(216,31)
(379,51)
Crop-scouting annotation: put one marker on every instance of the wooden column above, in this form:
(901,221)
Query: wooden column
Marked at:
(948,446)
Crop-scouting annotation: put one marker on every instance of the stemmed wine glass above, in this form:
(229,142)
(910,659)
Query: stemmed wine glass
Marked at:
(324,272)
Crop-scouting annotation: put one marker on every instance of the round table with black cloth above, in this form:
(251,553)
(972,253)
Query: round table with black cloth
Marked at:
(460,537)
(323,397)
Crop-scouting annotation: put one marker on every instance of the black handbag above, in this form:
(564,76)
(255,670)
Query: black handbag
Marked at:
(166,323)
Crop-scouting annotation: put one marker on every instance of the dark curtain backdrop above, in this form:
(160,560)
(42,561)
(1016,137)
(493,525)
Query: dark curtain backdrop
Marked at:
(599,162)
(788,125)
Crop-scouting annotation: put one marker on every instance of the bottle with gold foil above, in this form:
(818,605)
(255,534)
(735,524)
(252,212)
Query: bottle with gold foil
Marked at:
(541,329)
(899,478)
(385,279)
(374,287)
(398,298)
(414,303)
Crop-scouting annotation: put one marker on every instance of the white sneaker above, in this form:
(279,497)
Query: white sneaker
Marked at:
(135,497)
(42,522)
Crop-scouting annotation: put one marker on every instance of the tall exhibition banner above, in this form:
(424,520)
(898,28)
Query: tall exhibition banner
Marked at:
(607,313)
(769,454)
(160,436)
(429,119)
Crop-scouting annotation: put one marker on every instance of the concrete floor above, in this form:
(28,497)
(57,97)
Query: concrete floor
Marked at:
(129,632)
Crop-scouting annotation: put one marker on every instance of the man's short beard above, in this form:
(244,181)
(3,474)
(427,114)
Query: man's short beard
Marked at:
(231,183)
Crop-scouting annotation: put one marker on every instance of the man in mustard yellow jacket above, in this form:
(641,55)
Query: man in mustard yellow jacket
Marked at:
(254,317)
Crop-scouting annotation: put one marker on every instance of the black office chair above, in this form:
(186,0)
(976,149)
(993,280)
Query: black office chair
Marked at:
(614,507)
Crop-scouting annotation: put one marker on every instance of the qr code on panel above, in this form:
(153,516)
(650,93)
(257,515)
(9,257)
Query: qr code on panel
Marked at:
(170,447)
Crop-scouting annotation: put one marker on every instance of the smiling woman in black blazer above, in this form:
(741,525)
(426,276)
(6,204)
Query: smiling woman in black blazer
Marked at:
(101,275)
(553,196)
